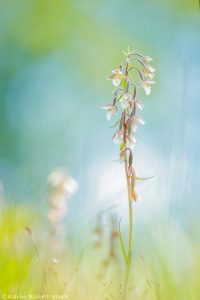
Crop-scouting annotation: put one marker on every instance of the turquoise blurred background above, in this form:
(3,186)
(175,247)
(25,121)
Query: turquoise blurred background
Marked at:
(55,57)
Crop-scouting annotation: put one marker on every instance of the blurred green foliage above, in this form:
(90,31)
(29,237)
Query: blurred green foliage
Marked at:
(157,274)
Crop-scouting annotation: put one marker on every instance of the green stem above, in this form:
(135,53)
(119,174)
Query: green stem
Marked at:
(130,243)
(130,227)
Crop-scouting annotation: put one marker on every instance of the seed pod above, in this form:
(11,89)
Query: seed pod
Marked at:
(130,159)
(121,123)
(129,126)
(135,91)
(114,101)
(127,86)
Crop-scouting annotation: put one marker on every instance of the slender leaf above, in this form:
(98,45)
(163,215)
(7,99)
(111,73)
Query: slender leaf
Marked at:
(119,98)
(116,123)
(121,147)
(140,178)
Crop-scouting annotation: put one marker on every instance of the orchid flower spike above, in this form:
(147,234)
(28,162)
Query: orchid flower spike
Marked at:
(124,80)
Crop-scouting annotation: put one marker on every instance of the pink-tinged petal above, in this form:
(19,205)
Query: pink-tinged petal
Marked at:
(116,71)
(148,69)
(110,109)
(146,85)
(114,109)
(118,137)
(127,96)
(108,115)
(151,76)
(140,120)
(146,59)
(107,107)
(125,100)
(139,105)
(131,142)
(147,90)
(134,128)
(124,103)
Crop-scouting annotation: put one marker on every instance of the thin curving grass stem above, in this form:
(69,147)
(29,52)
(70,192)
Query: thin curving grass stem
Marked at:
(30,232)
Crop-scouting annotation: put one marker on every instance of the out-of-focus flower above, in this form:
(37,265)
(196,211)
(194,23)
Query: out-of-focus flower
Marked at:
(110,110)
(146,85)
(99,231)
(114,236)
(59,179)
(61,188)
(55,260)
(71,185)
(111,251)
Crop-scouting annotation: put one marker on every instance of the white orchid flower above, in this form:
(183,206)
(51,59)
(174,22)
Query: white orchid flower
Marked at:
(110,110)
(131,142)
(125,101)
(116,81)
(146,85)
(149,71)
(116,77)
(55,260)
(118,137)
(139,105)
(134,128)
(146,59)
(139,119)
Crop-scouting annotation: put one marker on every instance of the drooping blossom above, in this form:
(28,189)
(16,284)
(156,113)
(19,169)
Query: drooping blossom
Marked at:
(116,77)
(125,100)
(118,137)
(140,120)
(131,141)
(146,85)
(110,110)
(145,59)
(149,71)
(139,105)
